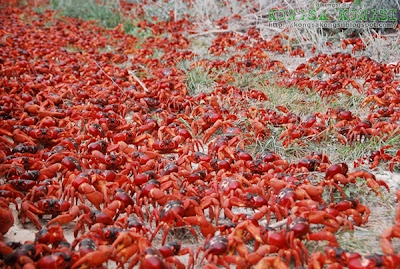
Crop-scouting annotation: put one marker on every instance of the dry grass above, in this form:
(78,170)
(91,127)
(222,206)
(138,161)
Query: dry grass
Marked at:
(384,49)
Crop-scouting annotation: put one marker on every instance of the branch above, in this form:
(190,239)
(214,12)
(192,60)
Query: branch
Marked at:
(138,81)
(278,224)
(101,69)
(215,31)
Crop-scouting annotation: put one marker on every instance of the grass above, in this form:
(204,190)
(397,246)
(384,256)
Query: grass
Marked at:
(297,101)
(351,103)
(363,149)
(106,14)
(328,145)
(131,28)
(203,12)
(270,143)
(250,80)
(360,241)
(200,44)
(199,81)
(304,103)
(197,78)
(381,49)
(293,152)
(366,240)
(162,10)
(40,9)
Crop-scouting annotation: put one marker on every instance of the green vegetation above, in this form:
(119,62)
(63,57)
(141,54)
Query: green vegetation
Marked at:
(106,14)
(197,78)
(250,80)
(131,28)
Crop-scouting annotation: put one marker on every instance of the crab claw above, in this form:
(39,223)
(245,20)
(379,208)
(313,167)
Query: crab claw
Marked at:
(249,227)
(94,259)
(65,218)
(94,196)
(271,262)
(206,228)
(210,131)
(50,171)
(324,235)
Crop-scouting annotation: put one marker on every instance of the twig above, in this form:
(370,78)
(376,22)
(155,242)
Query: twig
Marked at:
(360,228)
(216,31)
(101,69)
(278,224)
(310,173)
(138,81)
(302,44)
(236,30)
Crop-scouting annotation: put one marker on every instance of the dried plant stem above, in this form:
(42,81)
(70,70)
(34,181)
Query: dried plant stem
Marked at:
(138,81)
(101,69)
(215,31)
(278,224)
